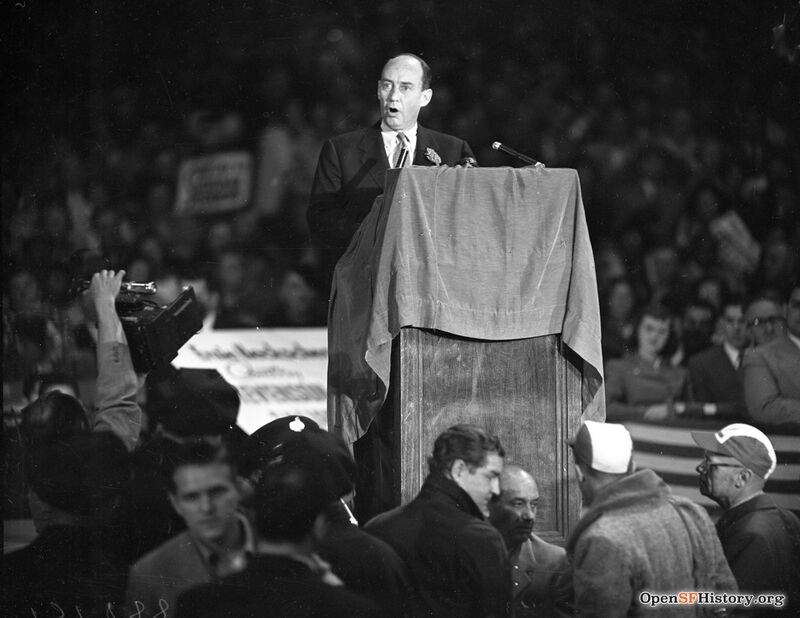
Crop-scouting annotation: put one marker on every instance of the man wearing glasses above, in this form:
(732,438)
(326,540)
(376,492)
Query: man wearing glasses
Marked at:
(772,369)
(760,540)
(764,320)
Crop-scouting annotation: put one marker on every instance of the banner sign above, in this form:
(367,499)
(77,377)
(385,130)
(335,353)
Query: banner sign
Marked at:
(278,372)
(215,183)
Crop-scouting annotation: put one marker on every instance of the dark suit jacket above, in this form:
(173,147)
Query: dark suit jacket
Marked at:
(67,568)
(457,560)
(772,383)
(762,545)
(273,586)
(350,174)
(714,379)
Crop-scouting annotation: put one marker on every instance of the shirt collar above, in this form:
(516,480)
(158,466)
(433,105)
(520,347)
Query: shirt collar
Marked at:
(390,142)
(732,353)
(794,340)
(248,547)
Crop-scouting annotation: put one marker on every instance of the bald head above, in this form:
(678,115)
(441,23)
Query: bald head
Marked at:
(513,512)
(764,320)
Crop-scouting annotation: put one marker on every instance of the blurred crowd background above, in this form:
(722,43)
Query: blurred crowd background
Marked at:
(682,119)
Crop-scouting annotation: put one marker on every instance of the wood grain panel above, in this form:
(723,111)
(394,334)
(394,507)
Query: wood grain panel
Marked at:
(527,391)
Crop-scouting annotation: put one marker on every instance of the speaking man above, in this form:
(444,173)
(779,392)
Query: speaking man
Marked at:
(352,167)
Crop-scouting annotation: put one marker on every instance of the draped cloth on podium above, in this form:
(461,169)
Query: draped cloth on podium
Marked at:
(486,253)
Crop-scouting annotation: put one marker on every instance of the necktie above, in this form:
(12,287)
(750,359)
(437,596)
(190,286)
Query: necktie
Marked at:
(739,357)
(402,159)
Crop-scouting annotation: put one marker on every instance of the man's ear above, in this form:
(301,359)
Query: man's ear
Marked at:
(427,95)
(457,468)
(174,502)
(319,529)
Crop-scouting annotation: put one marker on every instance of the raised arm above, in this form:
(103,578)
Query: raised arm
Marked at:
(116,409)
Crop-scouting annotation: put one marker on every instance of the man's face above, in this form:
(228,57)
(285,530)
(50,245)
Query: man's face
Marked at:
(481,482)
(513,513)
(400,93)
(718,477)
(653,334)
(733,327)
(207,497)
(764,321)
(793,313)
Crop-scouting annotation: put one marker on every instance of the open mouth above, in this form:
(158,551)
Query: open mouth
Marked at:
(392,110)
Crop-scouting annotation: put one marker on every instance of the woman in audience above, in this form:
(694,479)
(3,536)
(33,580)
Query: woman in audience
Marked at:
(644,385)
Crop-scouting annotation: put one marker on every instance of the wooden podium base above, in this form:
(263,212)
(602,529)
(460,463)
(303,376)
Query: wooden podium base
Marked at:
(526,391)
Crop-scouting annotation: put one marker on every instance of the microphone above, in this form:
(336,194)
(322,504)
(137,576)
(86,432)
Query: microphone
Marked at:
(517,155)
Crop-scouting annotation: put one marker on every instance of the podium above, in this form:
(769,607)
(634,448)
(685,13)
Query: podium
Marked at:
(469,295)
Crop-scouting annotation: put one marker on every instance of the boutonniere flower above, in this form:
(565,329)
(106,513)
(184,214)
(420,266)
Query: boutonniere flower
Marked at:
(433,156)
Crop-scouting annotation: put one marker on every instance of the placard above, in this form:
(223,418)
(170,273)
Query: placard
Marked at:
(214,183)
(278,372)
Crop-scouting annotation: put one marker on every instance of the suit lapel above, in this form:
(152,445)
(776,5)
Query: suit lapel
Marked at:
(425,140)
(371,147)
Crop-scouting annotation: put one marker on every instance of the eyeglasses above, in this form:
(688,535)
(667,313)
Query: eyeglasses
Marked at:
(771,320)
(708,465)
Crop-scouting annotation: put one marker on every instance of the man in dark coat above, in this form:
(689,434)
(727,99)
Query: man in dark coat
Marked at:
(457,560)
(761,541)
(352,167)
(714,373)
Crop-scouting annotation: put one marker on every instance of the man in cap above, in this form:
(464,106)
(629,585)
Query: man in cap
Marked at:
(298,479)
(538,568)
(772,373)
(457,560)
(761,541)
(635,536)
(367,565)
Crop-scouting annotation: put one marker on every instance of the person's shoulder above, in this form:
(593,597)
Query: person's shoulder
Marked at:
(705,357)
(172,550)
(387,518)
(355,136)
(441,137)
(546,552)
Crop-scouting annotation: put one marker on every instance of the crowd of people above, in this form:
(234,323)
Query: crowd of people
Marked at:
(690,191)
(263,524)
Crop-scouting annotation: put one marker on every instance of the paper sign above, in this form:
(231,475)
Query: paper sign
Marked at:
(215,183)
(278,372)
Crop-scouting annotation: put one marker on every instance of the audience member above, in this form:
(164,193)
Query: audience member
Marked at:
(541,578)
(714,373)
(72,566)
(764,320)
(635,535)
(205,492)
(366,564)
(698,319)
(772,373)
(761,541)
(644,385)
(457,561)
(285,577)
(618,319)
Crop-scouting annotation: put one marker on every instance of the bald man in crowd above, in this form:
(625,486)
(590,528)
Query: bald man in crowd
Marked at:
(772,369)
(539,570)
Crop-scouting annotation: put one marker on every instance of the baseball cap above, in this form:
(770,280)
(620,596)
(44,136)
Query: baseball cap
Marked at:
(746,444)
(605,447)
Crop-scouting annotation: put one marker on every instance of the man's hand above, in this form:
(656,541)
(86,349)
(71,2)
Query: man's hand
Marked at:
(104,289)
